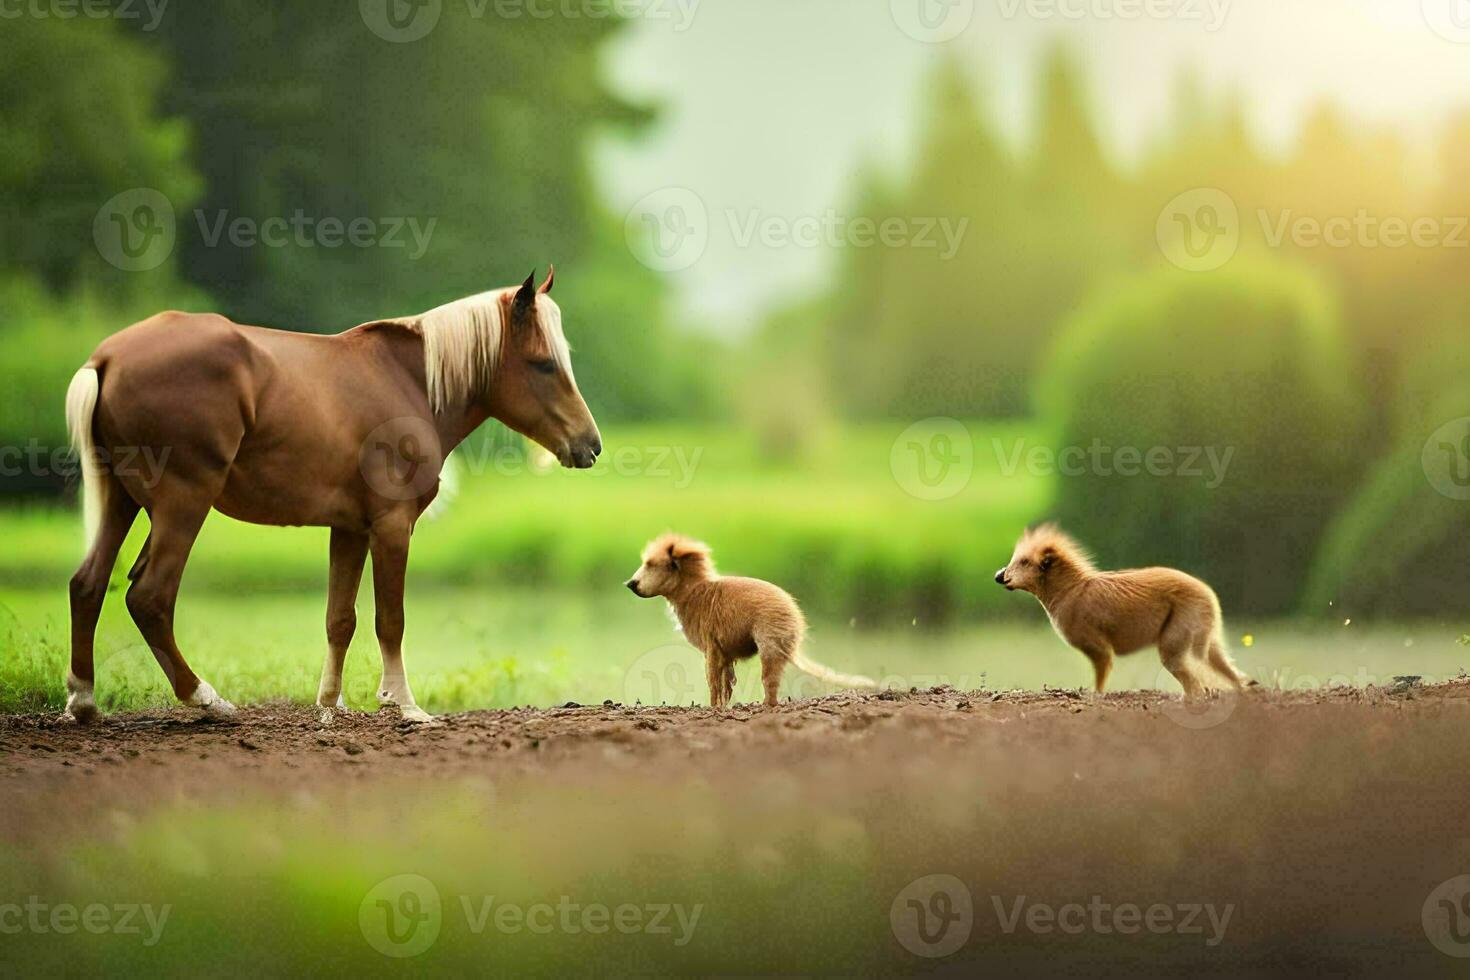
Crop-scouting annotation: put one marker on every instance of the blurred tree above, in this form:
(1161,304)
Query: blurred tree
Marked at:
(460,157)
(1401,546)
(79,124)
(1243,382)
(474,133)
(956,330)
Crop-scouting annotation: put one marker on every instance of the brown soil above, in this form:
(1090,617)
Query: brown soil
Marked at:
(1328,816)
(280,742)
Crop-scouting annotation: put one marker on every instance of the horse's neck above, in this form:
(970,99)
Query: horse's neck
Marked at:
(403,344)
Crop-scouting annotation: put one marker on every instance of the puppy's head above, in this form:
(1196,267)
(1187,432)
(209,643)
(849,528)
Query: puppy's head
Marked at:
(670,561)
(1038,552)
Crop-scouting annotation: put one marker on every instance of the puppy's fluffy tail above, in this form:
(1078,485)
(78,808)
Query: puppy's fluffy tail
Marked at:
(81,404)
(823,673)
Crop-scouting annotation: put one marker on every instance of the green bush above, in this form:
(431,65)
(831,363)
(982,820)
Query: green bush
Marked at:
(47,339)
(1401,546)
(1246,363)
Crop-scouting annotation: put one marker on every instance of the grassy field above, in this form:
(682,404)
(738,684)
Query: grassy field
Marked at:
(515,593)
(497,648)
(839,530)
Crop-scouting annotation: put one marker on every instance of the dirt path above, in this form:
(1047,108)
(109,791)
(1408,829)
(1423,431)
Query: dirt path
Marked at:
(280,745)
(1325,821)
(280,739)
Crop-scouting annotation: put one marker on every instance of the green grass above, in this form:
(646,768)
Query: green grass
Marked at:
(498,647)
(838,530)
(515,595)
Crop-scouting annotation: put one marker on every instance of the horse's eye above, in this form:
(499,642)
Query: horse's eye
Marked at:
(545,367)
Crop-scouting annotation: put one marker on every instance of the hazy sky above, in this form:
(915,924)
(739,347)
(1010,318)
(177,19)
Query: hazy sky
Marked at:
(769,107)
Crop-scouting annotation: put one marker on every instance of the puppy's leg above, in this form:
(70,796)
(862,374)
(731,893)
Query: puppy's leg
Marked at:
(771,667)
(1177,651)
(714,674)
(1102,665)
(728,681)
(1219,659)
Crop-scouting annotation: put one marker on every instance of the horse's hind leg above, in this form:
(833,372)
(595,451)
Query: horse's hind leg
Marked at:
(88,589)
(349,551)
(177,513)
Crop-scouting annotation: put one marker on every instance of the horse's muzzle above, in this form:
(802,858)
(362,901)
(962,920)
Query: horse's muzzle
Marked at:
(581,454)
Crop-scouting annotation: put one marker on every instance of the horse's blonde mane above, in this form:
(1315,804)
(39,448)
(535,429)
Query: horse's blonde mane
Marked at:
(463,342)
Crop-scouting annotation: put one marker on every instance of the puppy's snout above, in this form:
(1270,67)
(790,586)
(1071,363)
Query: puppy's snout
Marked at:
(1000,577)
(632,585)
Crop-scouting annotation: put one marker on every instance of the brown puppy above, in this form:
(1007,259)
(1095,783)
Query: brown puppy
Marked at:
(1108,613)
(729,618)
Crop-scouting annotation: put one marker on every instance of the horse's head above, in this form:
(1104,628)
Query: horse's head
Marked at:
(534,391)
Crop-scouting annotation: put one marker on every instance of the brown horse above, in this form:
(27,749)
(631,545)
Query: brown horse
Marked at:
(347,431)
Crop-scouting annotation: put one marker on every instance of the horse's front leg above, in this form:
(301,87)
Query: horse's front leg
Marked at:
(389,545)
(349,551)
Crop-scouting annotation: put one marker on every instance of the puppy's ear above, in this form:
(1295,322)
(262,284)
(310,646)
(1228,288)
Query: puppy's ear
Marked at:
(1048,559)
(673,558)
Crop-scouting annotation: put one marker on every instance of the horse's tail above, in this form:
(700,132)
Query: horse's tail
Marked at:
(824,673)
(81,405)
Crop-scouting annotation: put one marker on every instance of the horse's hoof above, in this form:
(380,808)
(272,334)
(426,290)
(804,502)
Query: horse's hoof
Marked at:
(79,712)
(80,708)
(215,707)
(414,715)
(325,716)
(80,715)
(220,710)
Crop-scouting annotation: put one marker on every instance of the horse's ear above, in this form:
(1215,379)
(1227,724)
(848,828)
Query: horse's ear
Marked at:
(526,295)
(550,278)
